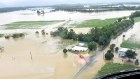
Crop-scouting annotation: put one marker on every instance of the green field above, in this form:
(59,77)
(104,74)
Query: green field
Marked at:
(30,24)
(96,23)
(130,43)
(1,35)
(113,68)
(137,19)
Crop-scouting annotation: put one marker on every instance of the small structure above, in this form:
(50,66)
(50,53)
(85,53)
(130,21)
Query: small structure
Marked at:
(122,51)
(79,48)
(81,44)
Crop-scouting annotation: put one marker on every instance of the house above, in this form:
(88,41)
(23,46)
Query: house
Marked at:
(79,48)
(122,51)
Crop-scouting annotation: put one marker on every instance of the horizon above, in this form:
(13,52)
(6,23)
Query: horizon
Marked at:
(27,3)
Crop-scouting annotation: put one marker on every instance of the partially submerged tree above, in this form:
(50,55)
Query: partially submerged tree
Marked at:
(137,62)
(7,37)
(65,51)
(109,55)
(116,49)
(112,46)
(92,46)
(130,54)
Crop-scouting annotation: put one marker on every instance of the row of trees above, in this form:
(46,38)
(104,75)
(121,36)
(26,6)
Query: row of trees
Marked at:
(15,35)
(135,14)
(101,36)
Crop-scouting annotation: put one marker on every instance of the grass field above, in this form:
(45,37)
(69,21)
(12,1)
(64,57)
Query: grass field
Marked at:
(1,35)
(96,23)
(137,19)
(131,43)
(113,68)
(30,24)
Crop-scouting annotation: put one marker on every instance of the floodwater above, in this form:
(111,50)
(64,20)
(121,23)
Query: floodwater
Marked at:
(9,17)
(35,58)
(39,57)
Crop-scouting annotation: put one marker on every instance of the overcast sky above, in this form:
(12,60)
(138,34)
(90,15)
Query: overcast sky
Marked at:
(7,3)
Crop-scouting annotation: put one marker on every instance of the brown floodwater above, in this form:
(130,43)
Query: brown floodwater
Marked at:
(36,57)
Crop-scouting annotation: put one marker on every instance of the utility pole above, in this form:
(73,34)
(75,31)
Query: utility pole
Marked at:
(31,56)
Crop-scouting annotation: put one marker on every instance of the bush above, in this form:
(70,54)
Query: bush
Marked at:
(7,37)
(65,51)
(17,35)
(112,46)
(137,62)
(116,49)
(37,32)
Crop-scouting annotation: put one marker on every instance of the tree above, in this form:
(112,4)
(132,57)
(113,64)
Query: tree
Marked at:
(92,46)
(130,54)
(65,51)
(137,62)
(109,56)
(120,19)
(116,49)
(112,46)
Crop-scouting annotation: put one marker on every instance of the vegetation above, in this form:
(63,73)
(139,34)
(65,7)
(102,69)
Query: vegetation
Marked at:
(97,23)
(116,49)
(18,35)
(109,55)
(114,68)
(43,32)
(130,54)
(7,37)
(135,16)
(37,32)
(137,19)
(131,43)
(101,36)
(30,24)
(65,51)
(1,35)
(137,62)
(92,46)
(112,46)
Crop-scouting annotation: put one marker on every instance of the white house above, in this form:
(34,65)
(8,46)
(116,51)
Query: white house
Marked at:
(79,48)
(122,51)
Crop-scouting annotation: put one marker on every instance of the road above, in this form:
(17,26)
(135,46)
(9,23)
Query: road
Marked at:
(92,59)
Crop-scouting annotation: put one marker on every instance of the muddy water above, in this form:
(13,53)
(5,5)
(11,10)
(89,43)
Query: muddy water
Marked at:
(35,58)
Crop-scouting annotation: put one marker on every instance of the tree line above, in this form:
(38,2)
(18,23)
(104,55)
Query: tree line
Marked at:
(101,36)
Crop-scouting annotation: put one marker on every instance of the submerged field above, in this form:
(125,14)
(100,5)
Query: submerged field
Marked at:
(113,68)
(30,24)
(96,23)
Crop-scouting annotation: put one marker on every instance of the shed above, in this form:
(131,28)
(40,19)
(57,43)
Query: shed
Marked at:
(79,48)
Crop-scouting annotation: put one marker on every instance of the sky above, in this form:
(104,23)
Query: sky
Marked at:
(15,3)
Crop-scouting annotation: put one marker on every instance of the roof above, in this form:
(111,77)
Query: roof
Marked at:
(79,48)
(81,44)
(123,49)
